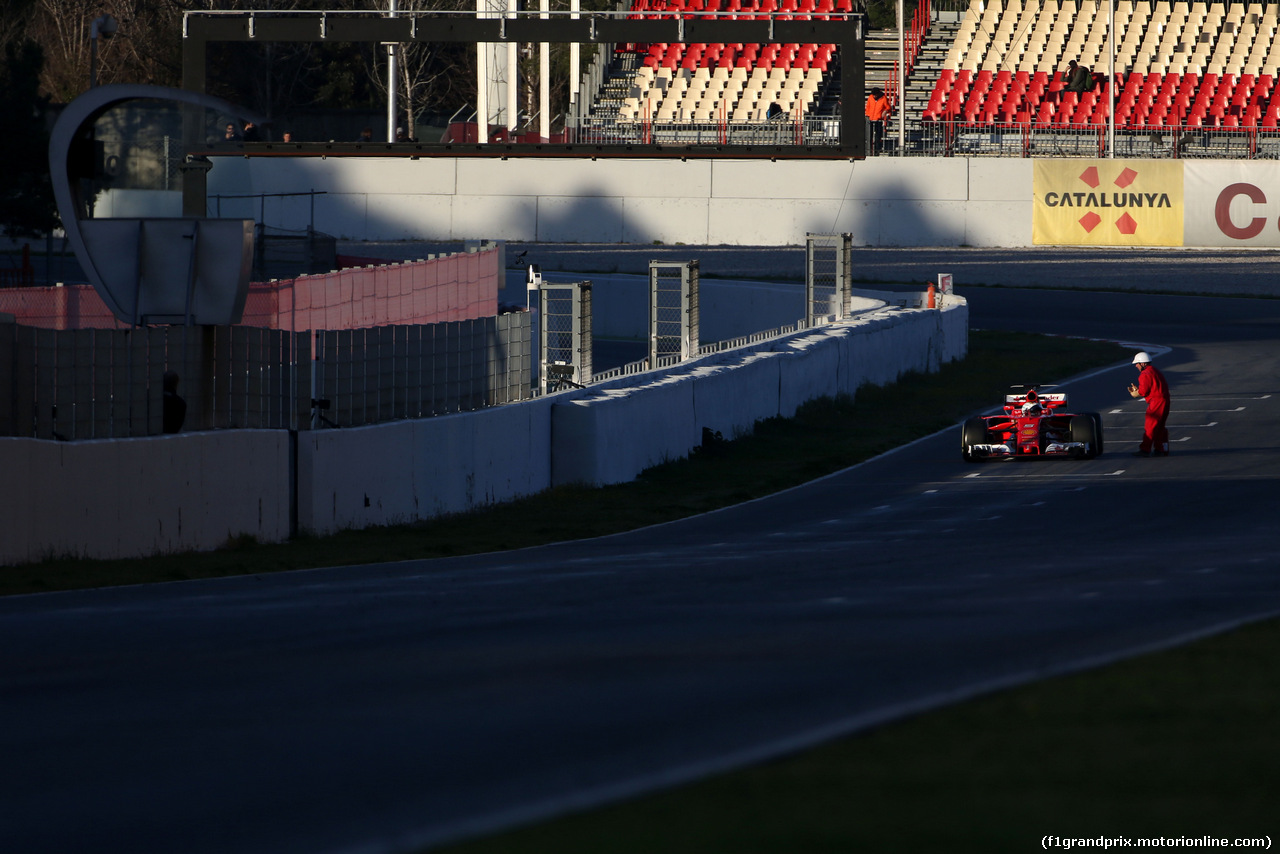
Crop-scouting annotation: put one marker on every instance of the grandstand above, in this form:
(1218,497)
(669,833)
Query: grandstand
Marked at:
(721,92)
(1191,78)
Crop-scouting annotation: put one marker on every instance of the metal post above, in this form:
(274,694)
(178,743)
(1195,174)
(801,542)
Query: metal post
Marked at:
(544,81)
(482,82)
(1111,77)
(392,88)
(902,84)
(575,60)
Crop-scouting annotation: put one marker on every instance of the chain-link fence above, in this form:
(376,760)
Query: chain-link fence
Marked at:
(565,335)
(108,383)
(962,139)
(366,376)
(673,311)
(828,261)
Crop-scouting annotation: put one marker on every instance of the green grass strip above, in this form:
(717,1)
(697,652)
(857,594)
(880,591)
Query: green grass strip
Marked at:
(1181,743)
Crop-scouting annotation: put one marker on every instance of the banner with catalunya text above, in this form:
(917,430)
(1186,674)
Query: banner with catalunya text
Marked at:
(1107,203)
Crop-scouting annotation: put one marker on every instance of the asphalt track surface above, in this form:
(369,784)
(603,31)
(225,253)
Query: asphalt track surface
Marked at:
(379,708)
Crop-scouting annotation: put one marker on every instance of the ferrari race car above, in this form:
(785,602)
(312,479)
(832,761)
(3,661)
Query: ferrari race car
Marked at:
(1033,424)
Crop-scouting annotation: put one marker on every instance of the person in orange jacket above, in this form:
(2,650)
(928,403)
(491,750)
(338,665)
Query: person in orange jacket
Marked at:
(1152,386)
(877,112)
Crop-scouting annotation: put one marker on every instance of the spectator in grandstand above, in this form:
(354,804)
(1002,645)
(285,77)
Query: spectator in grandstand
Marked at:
(251,133)
(1079,78)
(287,137)
(877,112)
(775,111)
(231,135)
(174,411)
(366,135)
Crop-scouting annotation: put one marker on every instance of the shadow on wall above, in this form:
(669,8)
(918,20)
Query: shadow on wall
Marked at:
(885,212)
(876,221)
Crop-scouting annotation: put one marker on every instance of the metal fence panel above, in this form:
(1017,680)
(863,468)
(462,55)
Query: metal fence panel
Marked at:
(828,277)
(565,335)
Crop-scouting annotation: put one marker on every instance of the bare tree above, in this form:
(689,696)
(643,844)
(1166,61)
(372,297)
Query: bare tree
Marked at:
(439,74)
(146,47)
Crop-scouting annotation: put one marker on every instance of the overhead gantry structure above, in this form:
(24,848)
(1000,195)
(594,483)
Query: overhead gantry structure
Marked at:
(846,30)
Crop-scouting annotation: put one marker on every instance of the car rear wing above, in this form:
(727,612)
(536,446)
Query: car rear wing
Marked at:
(1053,400)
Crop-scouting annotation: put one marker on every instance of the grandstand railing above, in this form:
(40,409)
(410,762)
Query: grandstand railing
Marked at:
(912,41)
(1028,139)
(790,130)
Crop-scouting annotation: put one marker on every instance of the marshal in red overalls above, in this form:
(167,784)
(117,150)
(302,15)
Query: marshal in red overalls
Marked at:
(1152,386)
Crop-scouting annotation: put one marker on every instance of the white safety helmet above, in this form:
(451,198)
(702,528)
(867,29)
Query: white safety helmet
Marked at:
(1141,358)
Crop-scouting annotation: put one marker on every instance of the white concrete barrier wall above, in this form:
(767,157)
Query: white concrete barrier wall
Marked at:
(408,470)
(133,497)
(612,433)
(882,201)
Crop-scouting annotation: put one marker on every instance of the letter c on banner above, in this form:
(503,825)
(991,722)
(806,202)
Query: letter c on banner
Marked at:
(1222,211)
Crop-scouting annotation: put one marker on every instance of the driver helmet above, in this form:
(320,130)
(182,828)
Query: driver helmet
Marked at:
(1032,406)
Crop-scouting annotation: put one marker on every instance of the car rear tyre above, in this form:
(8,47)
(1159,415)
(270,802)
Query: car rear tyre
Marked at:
(1085,429)
(974,432)
(1097,431)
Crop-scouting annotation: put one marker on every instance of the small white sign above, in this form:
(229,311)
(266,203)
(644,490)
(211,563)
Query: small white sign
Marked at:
(944,283)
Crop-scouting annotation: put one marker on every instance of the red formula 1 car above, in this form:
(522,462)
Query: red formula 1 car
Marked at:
(1034,425)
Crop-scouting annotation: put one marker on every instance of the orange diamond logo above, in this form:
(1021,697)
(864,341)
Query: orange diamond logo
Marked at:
(1090,177)
(1090,221)
(1126,225)
(1126,178)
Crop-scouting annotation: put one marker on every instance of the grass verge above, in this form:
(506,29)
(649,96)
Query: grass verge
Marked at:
(825,436)
(1181,743)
